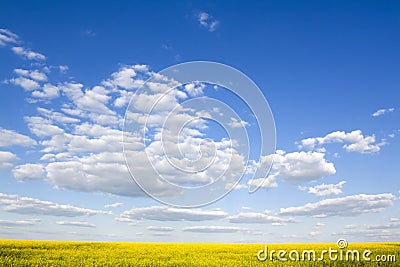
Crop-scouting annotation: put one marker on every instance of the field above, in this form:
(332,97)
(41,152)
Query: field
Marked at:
(54,253)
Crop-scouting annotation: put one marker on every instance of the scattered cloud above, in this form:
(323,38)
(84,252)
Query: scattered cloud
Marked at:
(393,223)
(47,91)
(314,233)
(369,234)
(355,141)
(299,167)
(235,123)
(10,223)
(166,213)
(78,224)
(214,229)
(325,189)
(63,68)
(26,205)
(10,138)
(381,112)
(26,53)
(28,171)
(255,217)
(344,206)
(114,205)
(33,74)
(26,83)
(6,37)
(207,21)
(160,228)
(7,160)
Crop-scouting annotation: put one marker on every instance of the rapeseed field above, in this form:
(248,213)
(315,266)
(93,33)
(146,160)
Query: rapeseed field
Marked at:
(60,253)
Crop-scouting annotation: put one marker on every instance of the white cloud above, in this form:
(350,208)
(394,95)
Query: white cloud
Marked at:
(9,223)
(326,189)
(21,51)
(26,205)
(355,141)
(25,83)
(103,172)
(267,183)
(235,123)
(381,112)
(214,229)
(255,217)
(78,224)
(10,138)
(57,116)
(390,225)
(369,234)
(7,36)
(63,68)
(351,226)
(166,213)
(114,205)
(33,74)
(7,160)
(48,91)
(90,103)
(298,167)
(194,89)
(28,172)
(207,21)
(160,228)
(42,127)
(314,233)
(127,77)
(344,206)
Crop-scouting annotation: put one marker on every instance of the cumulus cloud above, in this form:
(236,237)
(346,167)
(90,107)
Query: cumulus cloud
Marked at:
(234,123)
(381,112)
(128,77)
(78,224)
(28,172)
(27,205)
(325,189)
(214,229)
(207,21)
(47,91)
(26,83)
(33,74)
(7,160)
(354,141)
(26,53)
(345,206)
(298,167)
(10,138)
(166,213)
(82,142)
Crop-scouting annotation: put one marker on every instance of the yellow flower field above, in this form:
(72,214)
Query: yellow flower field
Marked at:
(54,253)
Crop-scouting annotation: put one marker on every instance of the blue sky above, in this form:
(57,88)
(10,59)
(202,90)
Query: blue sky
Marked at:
(329,71)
